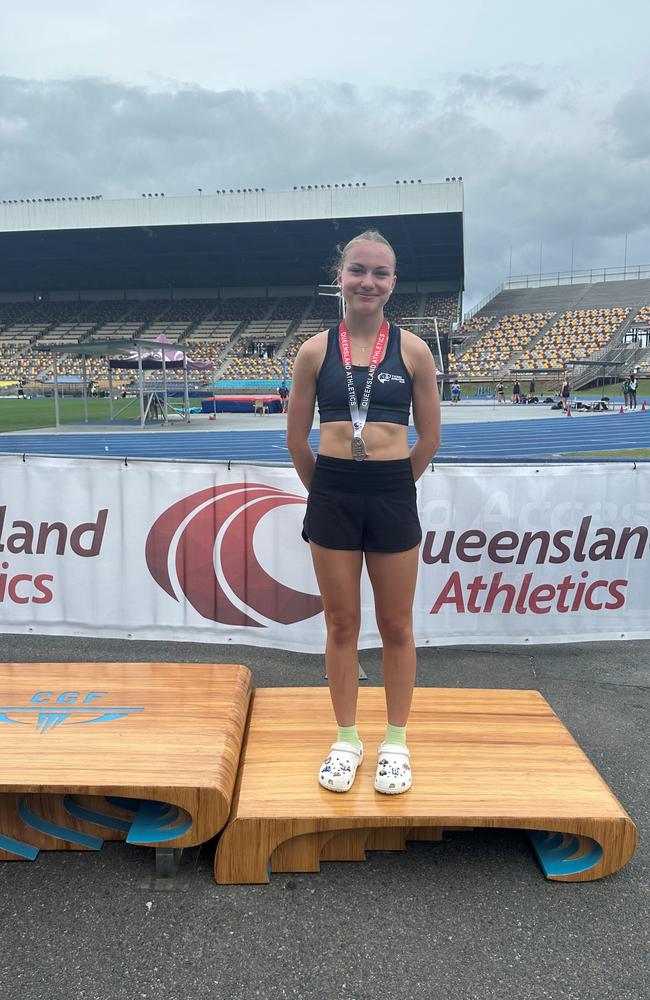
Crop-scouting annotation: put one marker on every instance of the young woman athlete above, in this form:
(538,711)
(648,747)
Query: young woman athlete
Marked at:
(365,374)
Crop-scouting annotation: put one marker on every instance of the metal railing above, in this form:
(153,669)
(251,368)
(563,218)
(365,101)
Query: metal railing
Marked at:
(586,276)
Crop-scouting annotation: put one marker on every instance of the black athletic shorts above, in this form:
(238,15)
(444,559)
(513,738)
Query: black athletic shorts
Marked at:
(367,506)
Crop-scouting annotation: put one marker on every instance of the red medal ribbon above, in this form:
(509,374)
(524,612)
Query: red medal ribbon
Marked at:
(359,411)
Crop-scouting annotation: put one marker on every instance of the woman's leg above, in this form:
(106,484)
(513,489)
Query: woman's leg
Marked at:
(339,574)
(393,576)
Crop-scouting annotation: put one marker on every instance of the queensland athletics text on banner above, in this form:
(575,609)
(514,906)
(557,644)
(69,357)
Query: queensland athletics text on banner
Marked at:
(191,551)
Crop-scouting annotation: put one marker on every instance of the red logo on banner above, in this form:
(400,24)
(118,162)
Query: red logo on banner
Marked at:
(213,529)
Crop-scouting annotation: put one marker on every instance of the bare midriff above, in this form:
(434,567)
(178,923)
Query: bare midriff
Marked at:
(384,442)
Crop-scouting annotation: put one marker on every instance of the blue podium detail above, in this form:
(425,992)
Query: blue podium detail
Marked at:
(5,718)
(60,832)
(555,858)
(93,816)
(553,840)
(50,720)
(105,717)
(131,805)
(153,824)
(17,847)
(46,719)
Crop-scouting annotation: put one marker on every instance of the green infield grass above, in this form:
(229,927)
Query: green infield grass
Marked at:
(619,453)
(615,391)
(29,414)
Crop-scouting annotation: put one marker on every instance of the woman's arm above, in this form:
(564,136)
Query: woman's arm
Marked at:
(301,412)
(426,405)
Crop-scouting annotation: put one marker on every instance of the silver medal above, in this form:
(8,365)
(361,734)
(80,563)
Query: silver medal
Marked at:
(359,452)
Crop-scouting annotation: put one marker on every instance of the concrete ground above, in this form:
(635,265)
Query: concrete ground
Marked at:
(470,918)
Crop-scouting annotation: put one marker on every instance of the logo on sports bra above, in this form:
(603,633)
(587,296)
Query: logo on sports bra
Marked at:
(387,377)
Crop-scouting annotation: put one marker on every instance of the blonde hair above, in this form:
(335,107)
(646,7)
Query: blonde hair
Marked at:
(369,235)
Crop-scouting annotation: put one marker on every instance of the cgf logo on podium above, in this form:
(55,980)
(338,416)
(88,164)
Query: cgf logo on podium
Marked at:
(47,710)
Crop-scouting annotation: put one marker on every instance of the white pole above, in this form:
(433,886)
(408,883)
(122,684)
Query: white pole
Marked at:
(440,358)
(164,371)
(110,391)
(56,391)
(186,389)
(141,386)
(83,387)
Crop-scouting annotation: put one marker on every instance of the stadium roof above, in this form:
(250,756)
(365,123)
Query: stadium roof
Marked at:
(243,239)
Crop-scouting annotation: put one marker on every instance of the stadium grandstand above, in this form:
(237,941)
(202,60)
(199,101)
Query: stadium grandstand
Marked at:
(234,278)
(592,327)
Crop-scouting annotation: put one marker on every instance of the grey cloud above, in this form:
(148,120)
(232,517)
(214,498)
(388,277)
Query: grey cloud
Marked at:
(506,87)
(123,138)
(630,122)
(87,136)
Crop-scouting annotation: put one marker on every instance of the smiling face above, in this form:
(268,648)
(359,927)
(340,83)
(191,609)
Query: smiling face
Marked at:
(367,276)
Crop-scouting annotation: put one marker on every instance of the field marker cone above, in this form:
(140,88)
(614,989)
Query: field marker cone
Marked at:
(621,410)
(643,406)
(568,411)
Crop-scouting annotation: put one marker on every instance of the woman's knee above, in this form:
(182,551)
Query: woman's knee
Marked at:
(396,631)
(342,626)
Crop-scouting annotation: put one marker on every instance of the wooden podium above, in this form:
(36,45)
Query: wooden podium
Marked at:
(162,754)
(146,752)
(480,758)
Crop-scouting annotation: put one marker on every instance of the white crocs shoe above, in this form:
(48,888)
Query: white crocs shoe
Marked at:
(340,767)
(394,774)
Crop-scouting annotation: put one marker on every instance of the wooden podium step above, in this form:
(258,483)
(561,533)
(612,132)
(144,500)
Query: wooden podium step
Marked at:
(480,758)
(143,752)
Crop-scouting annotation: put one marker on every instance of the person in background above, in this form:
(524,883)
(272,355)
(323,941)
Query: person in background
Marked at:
(455,393)
(516,391)
(632,387)
(501,392)
(565,393)
(626,392)
(283,393)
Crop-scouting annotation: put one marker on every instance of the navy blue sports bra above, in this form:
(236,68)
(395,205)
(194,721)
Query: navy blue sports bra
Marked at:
(390,399)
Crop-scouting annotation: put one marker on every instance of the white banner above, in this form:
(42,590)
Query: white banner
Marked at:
(190,551)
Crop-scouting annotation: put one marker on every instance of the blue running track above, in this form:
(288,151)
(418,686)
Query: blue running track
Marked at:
(515,440)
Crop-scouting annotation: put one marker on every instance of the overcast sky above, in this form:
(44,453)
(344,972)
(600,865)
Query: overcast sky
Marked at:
(543,109)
